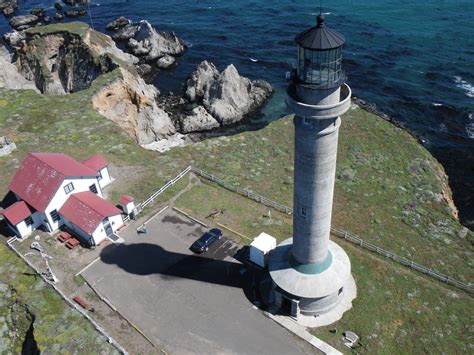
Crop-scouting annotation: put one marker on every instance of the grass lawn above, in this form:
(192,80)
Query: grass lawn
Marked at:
(397,310)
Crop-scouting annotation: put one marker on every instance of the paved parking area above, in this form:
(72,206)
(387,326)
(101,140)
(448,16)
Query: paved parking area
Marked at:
(185,302)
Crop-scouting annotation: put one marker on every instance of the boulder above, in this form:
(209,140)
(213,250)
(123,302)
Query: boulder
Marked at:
(232,97)
(18,22)
(75,2)
(14,38)
(37,11)
(118,23)
(131,103)
(152,45)
(166,62)
(125,33)
(200,81)
(8,7)
(75,13)
(58,16)
(144,69)
(198,120)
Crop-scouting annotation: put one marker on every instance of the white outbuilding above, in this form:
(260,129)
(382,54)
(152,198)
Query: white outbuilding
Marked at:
(260,249)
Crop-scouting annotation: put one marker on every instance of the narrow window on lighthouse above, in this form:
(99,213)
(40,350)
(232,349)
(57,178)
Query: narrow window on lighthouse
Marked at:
(303,212)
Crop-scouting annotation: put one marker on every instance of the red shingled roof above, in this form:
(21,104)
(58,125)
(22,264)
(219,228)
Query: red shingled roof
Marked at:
(41,174)
(87,210)
(96,162)
(125,199)
(17,212)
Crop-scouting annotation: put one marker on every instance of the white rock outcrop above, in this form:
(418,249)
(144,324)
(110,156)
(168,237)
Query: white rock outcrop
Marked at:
(151,45)
(198,120)
(200,81)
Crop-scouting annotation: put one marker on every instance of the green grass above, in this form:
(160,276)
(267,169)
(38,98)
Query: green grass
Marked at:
(79,280)
(56,323)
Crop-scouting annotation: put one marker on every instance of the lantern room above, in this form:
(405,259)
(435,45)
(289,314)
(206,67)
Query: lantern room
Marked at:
(320,57)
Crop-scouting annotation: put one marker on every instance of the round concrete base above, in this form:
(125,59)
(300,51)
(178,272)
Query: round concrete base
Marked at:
(336,313)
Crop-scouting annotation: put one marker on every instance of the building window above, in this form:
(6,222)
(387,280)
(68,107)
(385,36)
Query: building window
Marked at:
(68,188)
(54,215)
(308,122)
(93,188)
(29,221)
(303,212)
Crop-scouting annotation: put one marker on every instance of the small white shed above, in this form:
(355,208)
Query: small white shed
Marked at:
(260,249)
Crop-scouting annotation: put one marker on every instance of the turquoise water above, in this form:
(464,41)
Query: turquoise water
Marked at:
(413,60)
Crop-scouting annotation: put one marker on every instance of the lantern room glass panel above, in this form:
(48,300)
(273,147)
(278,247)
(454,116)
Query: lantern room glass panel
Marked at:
(320,68)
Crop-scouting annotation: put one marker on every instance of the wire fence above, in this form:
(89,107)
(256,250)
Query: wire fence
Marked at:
(244,192)
(338,232)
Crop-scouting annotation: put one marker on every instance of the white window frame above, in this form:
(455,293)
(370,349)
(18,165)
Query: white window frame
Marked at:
(69,188)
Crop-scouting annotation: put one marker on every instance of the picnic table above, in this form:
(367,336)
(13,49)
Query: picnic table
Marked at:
(72,243)
(64,236)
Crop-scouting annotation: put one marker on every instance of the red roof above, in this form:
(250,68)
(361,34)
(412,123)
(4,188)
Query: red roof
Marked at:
(17,212)
(96,162)
(126,199)
(41,174)
(87,210)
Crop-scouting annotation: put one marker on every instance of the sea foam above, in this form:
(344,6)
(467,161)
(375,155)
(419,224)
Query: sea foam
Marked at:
(465,85)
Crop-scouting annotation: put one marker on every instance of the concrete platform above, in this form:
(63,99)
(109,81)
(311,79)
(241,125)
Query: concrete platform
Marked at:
(350,293)
(316,285)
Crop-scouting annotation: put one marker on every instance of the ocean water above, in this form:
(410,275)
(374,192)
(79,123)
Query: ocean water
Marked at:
(413,59)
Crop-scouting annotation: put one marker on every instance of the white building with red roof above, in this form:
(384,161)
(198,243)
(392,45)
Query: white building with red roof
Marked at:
(53,190)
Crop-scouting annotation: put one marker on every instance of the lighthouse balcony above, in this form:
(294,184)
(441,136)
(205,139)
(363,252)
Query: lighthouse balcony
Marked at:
(319,111)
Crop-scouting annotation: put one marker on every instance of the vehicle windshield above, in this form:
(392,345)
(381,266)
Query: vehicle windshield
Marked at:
(206,238)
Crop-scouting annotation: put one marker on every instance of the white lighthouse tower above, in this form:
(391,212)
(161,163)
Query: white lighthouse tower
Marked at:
(310,272)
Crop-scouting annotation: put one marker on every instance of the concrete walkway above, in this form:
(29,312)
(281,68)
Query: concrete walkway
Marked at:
(301,332)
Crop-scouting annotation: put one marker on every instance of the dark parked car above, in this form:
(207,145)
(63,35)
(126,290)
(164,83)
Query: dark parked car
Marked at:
(202,244)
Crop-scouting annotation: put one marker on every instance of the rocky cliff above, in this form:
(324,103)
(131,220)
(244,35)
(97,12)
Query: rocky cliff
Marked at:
(67,58)
(132,104)
(9,76)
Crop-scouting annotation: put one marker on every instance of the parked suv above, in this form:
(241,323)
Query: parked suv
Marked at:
(202,244)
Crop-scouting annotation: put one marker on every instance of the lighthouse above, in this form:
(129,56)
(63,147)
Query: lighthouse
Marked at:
(310,273)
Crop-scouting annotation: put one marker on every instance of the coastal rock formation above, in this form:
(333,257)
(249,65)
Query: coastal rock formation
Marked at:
(9,76)
(125,33)
(200,81)
(146,43)
(14,38)
(118,23)
(131,103)
(198,120)
(151,45)
(8,7)
(227,96)
(67,58)
(166,62)
(23,22)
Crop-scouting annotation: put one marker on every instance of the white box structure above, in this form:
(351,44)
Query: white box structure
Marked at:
(260,249)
